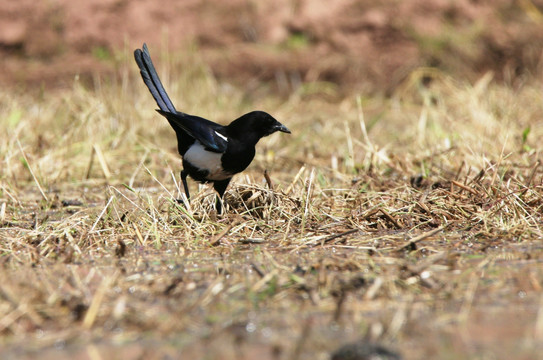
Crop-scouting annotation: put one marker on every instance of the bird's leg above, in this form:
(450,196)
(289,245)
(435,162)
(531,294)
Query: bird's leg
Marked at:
(220,187)
(185,185)
(218,205)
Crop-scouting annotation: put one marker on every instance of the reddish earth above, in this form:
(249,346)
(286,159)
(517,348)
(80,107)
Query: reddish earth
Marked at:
(362,46)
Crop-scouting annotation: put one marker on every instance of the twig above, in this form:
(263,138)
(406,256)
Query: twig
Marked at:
(459,169)
(464,187)
(251,241)
(101,214)
(423,207)
(477,177)
(138,235)
(102,161)
(97,299)
(296,178)
(308,198)
(91,162)
(530,178)
(389,217)
(2,212)
(258,270)
(32,172)
(333,237)
(422,236)
(215,240)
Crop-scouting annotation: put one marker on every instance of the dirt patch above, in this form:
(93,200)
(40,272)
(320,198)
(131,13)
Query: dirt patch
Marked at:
(358,46)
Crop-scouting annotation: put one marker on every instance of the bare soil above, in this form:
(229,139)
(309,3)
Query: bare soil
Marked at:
(357,46)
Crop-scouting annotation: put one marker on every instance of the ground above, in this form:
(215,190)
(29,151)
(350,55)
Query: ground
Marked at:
(403,211)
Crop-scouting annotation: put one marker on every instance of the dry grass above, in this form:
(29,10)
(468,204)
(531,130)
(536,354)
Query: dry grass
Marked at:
(414,221)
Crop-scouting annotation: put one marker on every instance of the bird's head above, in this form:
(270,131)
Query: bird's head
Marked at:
(263,123)
(255,125)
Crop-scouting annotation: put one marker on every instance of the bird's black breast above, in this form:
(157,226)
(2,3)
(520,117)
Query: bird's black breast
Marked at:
(237,156)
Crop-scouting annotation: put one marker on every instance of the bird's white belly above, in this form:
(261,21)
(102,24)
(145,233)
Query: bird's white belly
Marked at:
(199,157)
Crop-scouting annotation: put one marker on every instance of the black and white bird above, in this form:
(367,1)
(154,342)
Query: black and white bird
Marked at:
(211,152)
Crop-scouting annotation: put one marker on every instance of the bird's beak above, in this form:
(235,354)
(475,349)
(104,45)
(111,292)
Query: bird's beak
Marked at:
(282,128)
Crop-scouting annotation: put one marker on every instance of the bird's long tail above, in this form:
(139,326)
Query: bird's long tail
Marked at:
(151,79)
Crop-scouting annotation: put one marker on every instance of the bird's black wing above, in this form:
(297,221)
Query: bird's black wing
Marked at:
(151,79)
(210,134)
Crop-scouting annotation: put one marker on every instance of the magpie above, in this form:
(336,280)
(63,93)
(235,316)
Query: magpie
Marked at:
(212,153)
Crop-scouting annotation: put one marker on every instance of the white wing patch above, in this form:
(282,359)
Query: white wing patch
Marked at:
(221,136)
(199,157)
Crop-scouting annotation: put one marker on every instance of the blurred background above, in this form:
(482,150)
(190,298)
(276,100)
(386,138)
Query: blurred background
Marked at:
(349,45)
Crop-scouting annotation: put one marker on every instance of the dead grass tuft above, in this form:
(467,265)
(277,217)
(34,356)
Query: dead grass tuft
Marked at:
(413,220)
